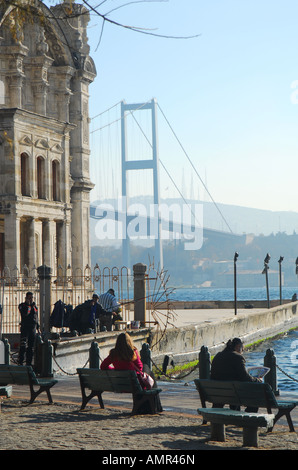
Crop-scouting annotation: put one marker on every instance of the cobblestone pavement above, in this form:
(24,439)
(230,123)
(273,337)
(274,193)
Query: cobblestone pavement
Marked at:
(62,426)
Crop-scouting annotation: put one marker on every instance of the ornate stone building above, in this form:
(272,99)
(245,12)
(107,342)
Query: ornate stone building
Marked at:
(45,73)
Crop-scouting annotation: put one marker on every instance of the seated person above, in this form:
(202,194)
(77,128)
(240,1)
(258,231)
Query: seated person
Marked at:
(229,364)
(125,356)
(112,309)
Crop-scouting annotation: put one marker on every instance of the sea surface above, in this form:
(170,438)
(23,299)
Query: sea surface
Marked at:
(208,293)
(285,348)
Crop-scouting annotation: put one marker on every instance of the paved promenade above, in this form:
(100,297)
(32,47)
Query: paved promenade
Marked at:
(178,428)
(186,317)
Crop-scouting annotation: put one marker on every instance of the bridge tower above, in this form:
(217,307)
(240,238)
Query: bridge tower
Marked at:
(148,164)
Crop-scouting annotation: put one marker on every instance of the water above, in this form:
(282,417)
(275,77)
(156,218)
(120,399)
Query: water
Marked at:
(286,353)
(285,348)
(244,293)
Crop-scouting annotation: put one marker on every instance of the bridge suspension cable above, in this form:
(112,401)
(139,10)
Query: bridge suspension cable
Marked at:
(194,168)
(164,167)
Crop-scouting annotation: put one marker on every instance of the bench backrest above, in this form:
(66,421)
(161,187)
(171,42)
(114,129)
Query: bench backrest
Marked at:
(236,393)
(110,380)
(255,394)
(13,374)
(216,391)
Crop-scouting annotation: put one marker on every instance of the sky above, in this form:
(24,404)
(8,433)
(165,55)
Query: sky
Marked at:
(230,96)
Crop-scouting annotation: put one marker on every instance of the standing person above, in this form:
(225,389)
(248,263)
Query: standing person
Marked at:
(29,328)
(112,308)
(125,356)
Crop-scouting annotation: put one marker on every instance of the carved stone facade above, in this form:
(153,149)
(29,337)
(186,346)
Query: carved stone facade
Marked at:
(45,73)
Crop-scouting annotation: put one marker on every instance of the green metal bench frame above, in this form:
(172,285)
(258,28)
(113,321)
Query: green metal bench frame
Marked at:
(249,394)
(24,375)
(117,381)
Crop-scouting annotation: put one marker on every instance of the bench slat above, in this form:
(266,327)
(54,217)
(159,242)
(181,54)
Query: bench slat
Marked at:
(17,378)
(250,393)
(217,391)
(110,381)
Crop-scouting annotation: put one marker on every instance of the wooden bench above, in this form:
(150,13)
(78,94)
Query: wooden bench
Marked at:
(250,422)
(117,381)
(24,375)
(249,394)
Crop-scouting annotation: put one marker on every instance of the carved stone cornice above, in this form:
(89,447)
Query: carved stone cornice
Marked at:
(82,184)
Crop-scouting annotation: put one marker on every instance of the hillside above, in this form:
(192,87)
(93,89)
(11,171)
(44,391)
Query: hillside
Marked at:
(213,263)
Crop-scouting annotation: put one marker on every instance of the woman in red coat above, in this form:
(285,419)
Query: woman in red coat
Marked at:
(124,356)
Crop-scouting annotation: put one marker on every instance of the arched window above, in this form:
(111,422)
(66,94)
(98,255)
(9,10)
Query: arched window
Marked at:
(25,191)
(40,178)
(56,180)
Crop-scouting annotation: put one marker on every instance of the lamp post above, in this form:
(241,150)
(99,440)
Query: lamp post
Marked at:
(280,280)
(235,282)
(265,271)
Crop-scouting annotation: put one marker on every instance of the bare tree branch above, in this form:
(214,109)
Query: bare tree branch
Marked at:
(135,28)
(20,9)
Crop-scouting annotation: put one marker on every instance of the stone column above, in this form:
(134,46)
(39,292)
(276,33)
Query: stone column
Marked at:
(12,241)
(48,234)
(45,298)
(15,91)
(80,225)
(139,272)
(65,244)
(31,243)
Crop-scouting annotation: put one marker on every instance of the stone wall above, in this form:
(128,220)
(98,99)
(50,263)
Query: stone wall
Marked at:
(73,353)
(183,344)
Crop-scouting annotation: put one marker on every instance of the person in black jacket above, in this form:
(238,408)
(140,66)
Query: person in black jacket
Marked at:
(84,316)
(229,364)
(29,328)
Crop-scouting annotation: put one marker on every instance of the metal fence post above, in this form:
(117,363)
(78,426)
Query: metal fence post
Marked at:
(146,355)
(47,363)
(6,351)
(204,363)
(38,352)
(45,298)
(94,356)
(271,377)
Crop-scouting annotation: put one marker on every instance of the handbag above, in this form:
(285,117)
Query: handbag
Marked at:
(146,381)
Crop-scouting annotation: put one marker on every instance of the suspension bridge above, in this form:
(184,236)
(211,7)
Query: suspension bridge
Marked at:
(129,173)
